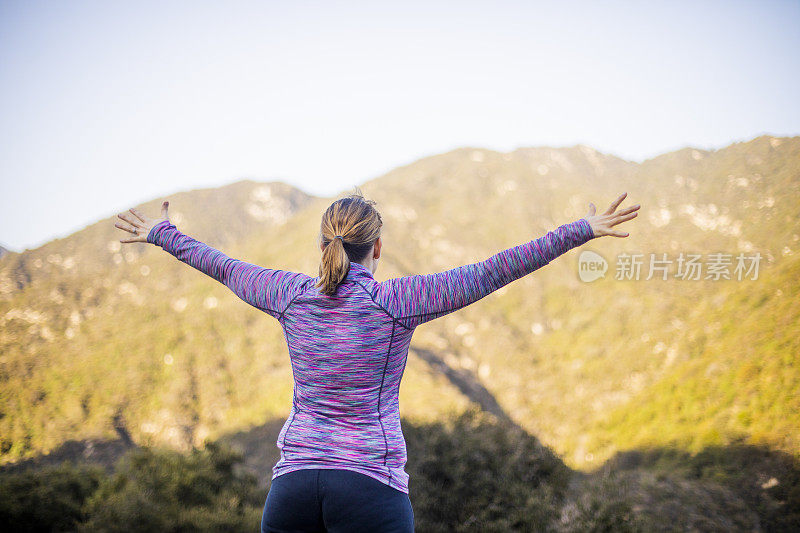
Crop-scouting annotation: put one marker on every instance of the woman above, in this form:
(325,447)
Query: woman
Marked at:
(343,454)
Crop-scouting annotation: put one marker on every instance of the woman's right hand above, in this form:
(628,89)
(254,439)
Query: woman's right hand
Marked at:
(139,224)
(601,224)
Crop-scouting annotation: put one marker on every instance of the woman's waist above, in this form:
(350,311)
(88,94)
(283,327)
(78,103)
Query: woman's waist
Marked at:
(337,415)
(375,440)
(343,407)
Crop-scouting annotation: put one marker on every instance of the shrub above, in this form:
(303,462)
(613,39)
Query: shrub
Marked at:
(478,474)
(164,490)
(48,499)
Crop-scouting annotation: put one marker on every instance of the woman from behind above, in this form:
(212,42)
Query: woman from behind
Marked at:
(343,455)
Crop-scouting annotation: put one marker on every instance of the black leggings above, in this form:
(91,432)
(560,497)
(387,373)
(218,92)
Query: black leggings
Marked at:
(336,501)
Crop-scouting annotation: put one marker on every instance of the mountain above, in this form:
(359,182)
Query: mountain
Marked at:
(71,312)
(98,337)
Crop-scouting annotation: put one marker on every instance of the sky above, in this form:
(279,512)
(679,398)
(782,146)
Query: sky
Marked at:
(104,105)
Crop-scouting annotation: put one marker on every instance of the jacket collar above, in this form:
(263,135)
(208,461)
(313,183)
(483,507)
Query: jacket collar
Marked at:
(357,270)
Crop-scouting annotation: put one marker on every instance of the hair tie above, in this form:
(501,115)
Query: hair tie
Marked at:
(337,237)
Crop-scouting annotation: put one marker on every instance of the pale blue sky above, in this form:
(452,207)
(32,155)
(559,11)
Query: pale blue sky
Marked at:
(107,104)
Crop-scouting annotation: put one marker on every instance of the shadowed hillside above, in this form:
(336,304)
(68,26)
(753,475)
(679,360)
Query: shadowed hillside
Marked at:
(473,472)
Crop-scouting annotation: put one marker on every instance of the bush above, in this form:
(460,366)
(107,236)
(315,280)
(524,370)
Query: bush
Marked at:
(164,490)
(49,499)
(478,474)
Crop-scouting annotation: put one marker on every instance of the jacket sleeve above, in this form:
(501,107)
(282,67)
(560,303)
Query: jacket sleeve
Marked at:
(414,300)
(264,288)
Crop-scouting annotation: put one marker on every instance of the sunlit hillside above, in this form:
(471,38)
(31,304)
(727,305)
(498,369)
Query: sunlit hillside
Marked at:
(100,340)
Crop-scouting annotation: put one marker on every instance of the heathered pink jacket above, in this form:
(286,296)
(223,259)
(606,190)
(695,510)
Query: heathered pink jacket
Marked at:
(348,351)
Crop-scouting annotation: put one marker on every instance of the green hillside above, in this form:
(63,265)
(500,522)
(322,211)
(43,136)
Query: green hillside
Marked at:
(102,341)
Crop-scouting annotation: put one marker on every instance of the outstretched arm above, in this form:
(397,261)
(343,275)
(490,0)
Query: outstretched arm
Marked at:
(418,299)
(264,288)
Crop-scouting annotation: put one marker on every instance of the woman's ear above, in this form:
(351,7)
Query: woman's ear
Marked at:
(376,252)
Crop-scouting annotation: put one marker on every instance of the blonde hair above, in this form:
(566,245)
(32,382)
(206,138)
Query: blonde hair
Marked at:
(358,223)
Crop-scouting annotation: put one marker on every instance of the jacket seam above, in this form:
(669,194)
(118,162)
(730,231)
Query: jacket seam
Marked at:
(296,296)
(294,413)
(294,394)
(380,393)
(394,318)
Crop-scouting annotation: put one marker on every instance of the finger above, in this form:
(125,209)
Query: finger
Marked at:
(130,220)
(616,204)
(164,208)
(131,240)
(592,209)
(137,214)
(630,209)
(618,220)
(126,228)
(618,233)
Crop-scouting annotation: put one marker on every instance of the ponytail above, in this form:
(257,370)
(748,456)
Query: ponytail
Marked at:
(349,229)
(333,267)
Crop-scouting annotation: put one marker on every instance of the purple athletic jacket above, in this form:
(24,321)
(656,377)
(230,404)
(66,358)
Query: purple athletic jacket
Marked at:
(348,351)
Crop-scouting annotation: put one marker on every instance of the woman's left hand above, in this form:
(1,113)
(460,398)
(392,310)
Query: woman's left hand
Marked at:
(139,224)
(602,224)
